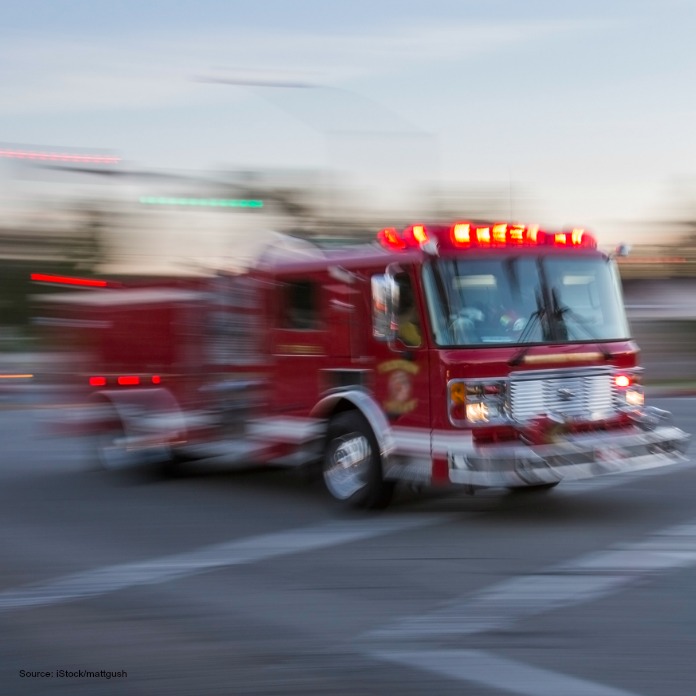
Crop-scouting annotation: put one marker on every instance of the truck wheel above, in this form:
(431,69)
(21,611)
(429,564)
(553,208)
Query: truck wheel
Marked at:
(111,452)
(113,455)
(352,466)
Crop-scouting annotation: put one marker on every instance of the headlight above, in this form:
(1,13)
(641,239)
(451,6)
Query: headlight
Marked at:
(477,402)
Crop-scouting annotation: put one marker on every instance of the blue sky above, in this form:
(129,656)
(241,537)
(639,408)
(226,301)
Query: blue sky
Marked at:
(586,111)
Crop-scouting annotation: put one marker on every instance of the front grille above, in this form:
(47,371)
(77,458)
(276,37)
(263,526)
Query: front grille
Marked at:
(585,394)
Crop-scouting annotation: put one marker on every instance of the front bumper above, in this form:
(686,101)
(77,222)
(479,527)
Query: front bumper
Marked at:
(576,457)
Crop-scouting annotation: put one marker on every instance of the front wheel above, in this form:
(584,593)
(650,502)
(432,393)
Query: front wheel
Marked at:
(352,466)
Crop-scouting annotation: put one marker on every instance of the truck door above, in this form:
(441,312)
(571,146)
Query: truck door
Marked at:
(402,373)
(299,344)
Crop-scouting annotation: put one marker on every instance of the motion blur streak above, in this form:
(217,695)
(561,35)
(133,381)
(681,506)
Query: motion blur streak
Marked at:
(252,550)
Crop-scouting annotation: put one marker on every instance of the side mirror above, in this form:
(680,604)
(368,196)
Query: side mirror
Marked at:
(622,250)
(385,305)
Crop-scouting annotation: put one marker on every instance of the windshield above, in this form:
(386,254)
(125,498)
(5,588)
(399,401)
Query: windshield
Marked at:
(524,299)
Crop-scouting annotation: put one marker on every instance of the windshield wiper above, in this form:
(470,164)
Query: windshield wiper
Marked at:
(534,318)
(561,311)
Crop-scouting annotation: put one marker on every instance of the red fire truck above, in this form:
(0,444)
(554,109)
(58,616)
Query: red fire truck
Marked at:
(485,355)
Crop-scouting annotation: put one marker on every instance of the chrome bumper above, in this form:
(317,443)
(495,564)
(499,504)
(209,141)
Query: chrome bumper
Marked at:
(577,457)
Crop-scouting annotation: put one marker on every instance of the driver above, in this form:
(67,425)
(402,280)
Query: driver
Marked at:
(408,322)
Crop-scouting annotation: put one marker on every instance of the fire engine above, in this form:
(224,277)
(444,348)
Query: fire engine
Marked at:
(471,354)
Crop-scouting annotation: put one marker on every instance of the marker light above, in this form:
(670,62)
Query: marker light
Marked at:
(156,379)
(97,381)
(389,238)
(622,381)
(128,380)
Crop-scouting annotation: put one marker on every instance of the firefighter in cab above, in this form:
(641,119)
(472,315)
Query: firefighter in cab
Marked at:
(409,331)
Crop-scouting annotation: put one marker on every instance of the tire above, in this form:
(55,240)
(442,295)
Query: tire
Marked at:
(352,464)
(110,452)
(112,455)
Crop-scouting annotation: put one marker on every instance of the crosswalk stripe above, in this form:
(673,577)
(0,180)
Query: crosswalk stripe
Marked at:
(255,549)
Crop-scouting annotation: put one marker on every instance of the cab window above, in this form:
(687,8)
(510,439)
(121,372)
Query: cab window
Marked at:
(300,305)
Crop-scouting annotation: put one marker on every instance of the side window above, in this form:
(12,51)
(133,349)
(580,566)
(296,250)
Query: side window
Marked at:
(409,328)
(300,305)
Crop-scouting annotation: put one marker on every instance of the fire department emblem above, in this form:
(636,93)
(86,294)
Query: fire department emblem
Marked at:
(400,397)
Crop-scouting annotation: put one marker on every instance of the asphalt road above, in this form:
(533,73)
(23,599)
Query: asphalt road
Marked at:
(252,582)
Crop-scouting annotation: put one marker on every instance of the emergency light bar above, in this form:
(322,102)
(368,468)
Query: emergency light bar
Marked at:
(465,235)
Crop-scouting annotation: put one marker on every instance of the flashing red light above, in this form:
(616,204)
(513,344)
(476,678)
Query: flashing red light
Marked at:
(156,379)
(97,381)
(415,235)
(515,235)
(68,280)
(128,380)
(389,238)
(622,381)
(533,235)
(501,234)
(461,234)
(579,237)
(483,236)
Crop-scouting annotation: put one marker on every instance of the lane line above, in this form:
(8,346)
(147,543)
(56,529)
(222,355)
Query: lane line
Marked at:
(255,549)
(585,579)
(497,672)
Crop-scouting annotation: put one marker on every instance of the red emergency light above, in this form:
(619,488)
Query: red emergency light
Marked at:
(464,235)
(390,239)
(622,381)
(123,380)
(68,280)
(415,235)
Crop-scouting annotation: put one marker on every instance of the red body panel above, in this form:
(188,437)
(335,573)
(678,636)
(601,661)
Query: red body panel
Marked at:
(300,326)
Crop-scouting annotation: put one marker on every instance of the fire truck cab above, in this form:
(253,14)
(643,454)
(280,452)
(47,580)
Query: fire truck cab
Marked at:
(473,354)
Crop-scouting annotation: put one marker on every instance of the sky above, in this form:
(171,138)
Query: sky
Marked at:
(582,112)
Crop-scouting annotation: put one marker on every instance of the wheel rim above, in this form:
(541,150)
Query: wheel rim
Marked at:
(112,451)
(347,467)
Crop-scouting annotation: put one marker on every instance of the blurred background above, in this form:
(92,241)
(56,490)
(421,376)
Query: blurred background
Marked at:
(168,140)
(139,141)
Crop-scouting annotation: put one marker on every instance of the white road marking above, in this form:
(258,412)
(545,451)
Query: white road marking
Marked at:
(584,579)
(587,578)
(101,581)
(497,672)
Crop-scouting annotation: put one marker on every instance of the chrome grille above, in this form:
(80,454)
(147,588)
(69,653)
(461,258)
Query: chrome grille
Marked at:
(585,394)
